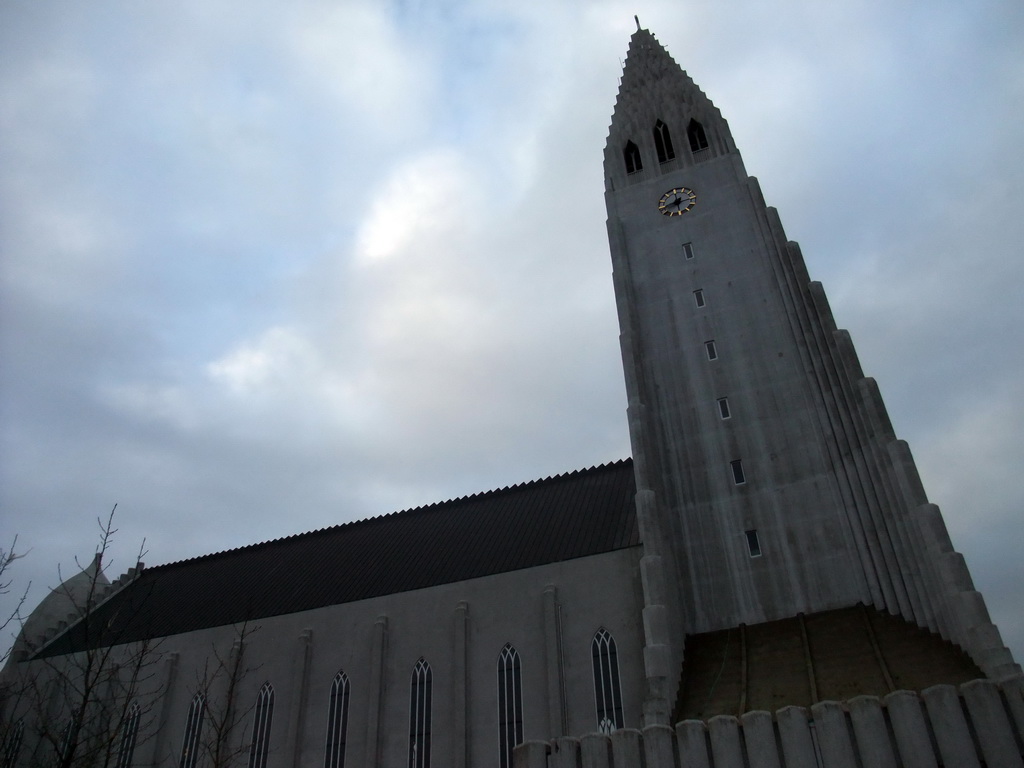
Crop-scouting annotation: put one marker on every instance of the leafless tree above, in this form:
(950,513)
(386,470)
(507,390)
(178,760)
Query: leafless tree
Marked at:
(10,732)
(84,707)
(221,740)
(12,617)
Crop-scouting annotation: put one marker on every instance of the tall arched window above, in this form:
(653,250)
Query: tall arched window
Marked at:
(262,717)
(129,732)
(337,723)
(510,704)
(193,729)
(419,716)
(631,156)
(698,139)
(607,690)
(663,142)
(12,744)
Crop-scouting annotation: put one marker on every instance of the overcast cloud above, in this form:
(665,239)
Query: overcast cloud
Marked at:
(268,267)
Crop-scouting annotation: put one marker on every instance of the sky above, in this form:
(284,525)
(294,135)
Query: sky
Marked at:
(268,267)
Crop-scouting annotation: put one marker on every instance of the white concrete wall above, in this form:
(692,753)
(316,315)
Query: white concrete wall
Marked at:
(982,723)
(550,615)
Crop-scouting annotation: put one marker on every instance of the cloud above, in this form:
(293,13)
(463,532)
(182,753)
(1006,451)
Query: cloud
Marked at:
(267,268)
(263,368)
(421,211)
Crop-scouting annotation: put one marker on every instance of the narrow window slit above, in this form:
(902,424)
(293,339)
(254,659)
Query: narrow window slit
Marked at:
(753,544)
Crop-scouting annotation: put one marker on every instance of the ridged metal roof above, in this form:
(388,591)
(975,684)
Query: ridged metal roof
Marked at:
(582,513)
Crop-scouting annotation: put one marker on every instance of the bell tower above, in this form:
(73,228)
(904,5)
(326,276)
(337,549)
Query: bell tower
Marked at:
(769,481)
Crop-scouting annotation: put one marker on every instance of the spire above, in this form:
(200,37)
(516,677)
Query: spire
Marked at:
(655,89)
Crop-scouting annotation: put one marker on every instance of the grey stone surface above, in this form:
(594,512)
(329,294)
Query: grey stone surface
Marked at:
(759,738)
(950,727)
(991,724)
(833,735)
(910,730)
(691,742)
(795,735)
(869,730)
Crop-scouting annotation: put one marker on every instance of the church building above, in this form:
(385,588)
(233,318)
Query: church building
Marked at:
(766,567)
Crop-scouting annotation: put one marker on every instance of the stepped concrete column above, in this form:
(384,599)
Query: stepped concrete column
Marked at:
(691,741)
(870,732)
(795,734)
(910,730)
(992,726)
(725,741)
(759,738)
(950,726)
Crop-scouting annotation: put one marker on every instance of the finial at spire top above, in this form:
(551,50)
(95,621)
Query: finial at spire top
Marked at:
(637,20)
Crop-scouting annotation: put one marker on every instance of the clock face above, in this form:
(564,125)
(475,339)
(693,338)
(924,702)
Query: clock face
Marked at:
(677,201)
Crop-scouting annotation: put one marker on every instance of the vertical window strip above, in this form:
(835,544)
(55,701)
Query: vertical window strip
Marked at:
(607,690)
(337,723)
(723,408)
(12,745)
(419,716)
(193,727)
(687,251)
(510,704)
(129,733)
(737,472)
(711,349)
(698,297)
(753,543)
(263,716)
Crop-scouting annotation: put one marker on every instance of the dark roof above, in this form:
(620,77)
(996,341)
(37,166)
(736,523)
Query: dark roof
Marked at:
(582,513)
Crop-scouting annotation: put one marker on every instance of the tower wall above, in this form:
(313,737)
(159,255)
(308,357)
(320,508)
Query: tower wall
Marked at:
(770,481)
(788,493)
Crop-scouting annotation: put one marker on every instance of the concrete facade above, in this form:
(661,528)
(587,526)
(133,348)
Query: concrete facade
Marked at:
(930,729)
(824,511)
(548,614)
(798,498)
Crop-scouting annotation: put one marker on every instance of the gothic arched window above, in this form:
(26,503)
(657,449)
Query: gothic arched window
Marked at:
(337,723)
(129,732)
(607,690)
(419,716)
(510,704)
(262,718)
(193,727)
(631,155)
(698,139)
(663,142)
